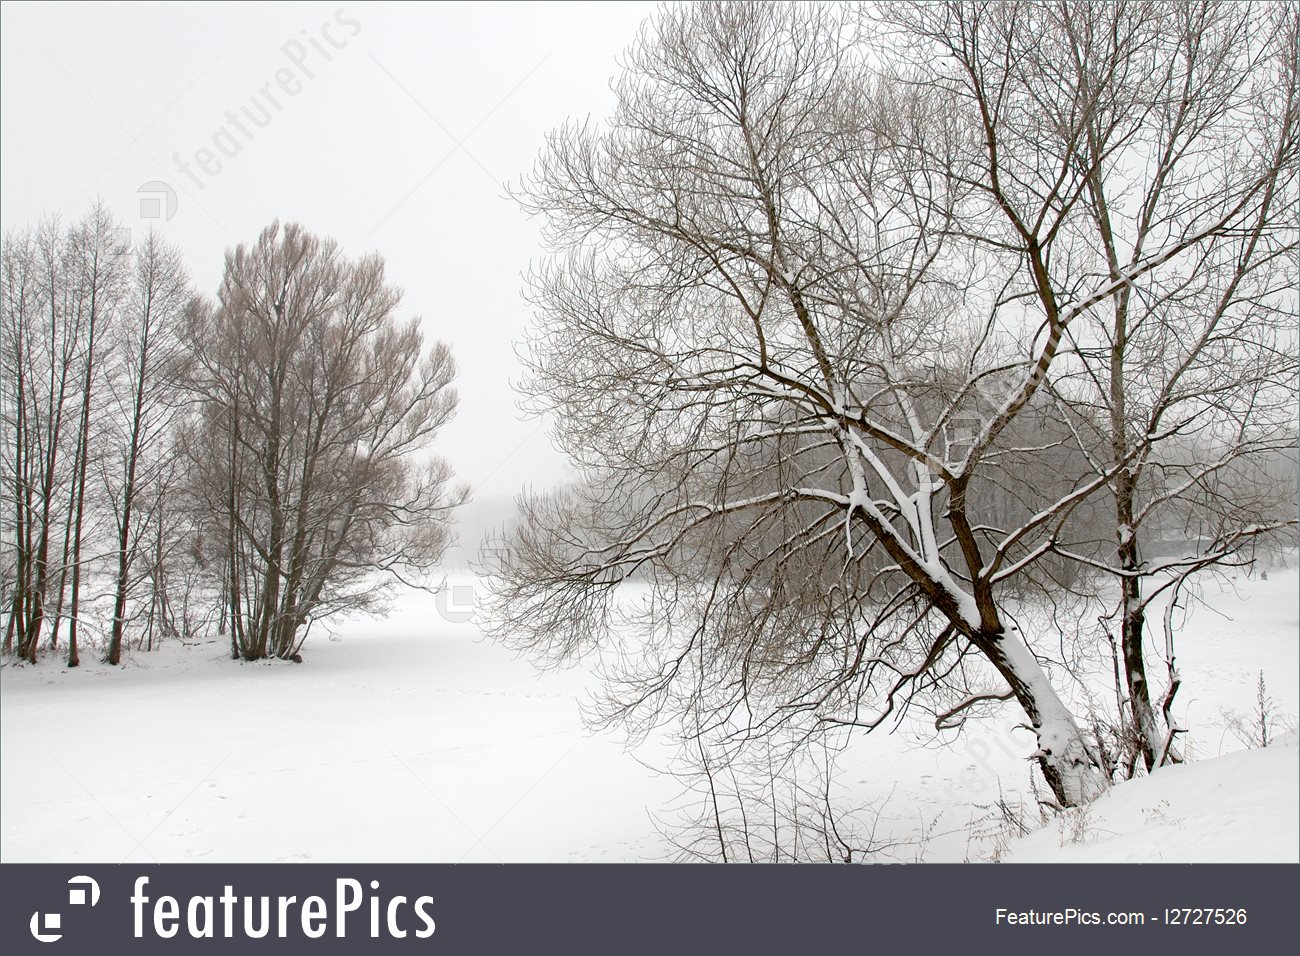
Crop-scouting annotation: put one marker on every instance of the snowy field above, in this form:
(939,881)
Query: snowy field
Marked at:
(410,738)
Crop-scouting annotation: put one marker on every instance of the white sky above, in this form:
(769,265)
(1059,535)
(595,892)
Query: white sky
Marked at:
(401,141)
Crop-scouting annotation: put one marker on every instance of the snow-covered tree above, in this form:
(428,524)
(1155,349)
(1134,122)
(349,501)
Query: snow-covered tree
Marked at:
(814,282)
(1160,139)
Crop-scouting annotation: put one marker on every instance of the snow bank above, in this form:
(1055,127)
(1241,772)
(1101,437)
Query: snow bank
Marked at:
(1237,808)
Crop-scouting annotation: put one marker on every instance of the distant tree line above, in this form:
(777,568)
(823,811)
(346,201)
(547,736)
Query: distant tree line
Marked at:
(175,466)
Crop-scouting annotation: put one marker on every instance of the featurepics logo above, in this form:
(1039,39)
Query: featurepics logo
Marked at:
(48,927)
(231,916)
(303,57)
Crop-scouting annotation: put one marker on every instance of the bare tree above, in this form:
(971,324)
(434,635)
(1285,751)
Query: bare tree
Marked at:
(1224,381)
(316,406)
(23,302)
(62,288)
(100,262)
(861,268)
(1127,138)
(147,398)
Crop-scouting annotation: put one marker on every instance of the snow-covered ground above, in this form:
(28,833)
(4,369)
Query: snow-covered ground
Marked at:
(1238,627)
(406,738)
(1238,808)
(411,738)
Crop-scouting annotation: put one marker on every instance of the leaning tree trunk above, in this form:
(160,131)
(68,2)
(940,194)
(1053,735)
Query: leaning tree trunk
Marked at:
(1069,764)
